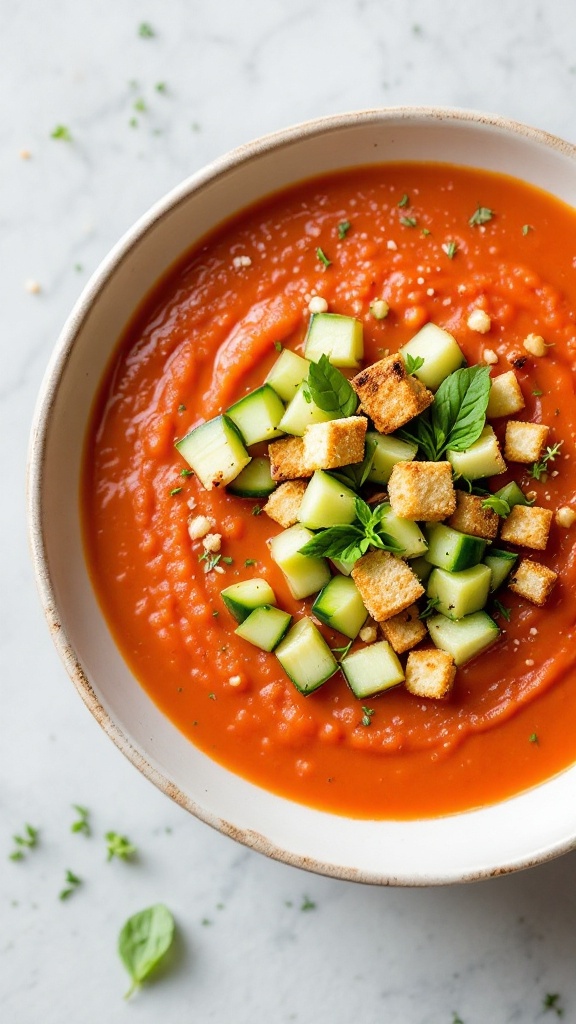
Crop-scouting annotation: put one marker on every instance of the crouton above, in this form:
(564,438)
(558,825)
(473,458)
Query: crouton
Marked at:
(386,584)
(422,490)
(389,395)
(533,581)
(287,459)
(525,442)
(528,526)
(335,443)
(430,673)
(405,630)
(471,517)
(506,397)
(284,503)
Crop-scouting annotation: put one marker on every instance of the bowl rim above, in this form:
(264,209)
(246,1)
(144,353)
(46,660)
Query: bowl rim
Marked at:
(37,446)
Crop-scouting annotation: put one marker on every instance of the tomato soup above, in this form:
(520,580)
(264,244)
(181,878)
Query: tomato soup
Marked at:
(208,334)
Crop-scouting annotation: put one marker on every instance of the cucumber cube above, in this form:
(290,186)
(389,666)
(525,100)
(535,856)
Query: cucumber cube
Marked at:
(265,627)
(481,459)
(215,451)
(241,598)
(421,568)
(305,575)
(372,670)
(460,593)
(255,480)
(340,606)
(306,657)
(338,337)
(500,564)
(464,638)
(302,411)
(288,372)
(406,533)
(440,352)
(257,415)
(388,450)
(326,502)
(513,494)
(450,549)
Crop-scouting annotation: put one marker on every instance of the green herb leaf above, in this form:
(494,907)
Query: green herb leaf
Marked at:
(405,201)
(145,30)
(450,248)
(343,229)
(144,940)
(249,561)
(526,228)
(174,491)
(330,389)
(408,222)
(533,738)
(62,133)
(355,475)
(332,542)
(481,216)
(368,715)
(307,904)
(551,1002)
(342,651)
(323,257)
(26,840)
(431,605)
(413,363)
(348,543)
(457,416)
(278,346)
(502,610)
(81,824)
(498,505)
(538,468)
(72,883)
(118,846)
(186,472)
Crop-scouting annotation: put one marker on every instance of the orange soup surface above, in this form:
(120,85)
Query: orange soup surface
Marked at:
(207,335)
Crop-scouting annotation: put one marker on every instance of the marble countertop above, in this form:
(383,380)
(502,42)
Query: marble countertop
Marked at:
(138,111)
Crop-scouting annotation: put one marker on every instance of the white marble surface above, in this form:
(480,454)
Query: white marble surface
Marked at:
(247,951)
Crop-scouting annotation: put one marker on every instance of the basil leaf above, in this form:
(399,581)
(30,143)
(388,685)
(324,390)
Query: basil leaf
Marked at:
(419,431)
(499,505)
(363,511)
(330,389)
(413,363)
(333,542)
(459,408)
(144,940)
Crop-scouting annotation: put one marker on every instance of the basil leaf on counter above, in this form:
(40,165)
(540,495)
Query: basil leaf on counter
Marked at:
(144,940)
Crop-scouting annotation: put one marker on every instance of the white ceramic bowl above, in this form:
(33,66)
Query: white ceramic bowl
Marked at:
(525,830)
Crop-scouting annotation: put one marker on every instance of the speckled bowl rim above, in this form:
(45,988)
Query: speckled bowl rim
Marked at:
(122,251)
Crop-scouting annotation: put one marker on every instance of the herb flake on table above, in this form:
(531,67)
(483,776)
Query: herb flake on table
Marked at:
(62,133)
(551,1001)
(119,846)
(26,840)
(72,883)
(144,941)
(145,30)
(82,823)
(307,904)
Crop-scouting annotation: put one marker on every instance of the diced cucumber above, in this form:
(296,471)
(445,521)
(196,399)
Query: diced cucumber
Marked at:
(302,411)
(513,494)
(340,606)
(306,657)
(406,533)
(450,549)
(500,564)
(287,374)
(265,627)
(481,459)
(372,669)
(421,568)
(344,568)
(464,638)
(459,593)
(440,352)
(305,575)
(254,481)
(241,598)
(215,451)
(257,415)
(326,502)
(388,450)
(338,337)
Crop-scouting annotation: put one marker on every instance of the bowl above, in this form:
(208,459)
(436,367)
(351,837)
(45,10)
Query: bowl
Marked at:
(527,829)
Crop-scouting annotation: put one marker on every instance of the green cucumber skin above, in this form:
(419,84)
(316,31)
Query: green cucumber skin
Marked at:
(226,463)
(266,635)
(340,606)
(452,550)
(242,598)
(254,481)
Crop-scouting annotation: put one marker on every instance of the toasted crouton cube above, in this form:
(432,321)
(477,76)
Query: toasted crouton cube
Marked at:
(284,503)
(430,673)
(533,581)
(525,442)
(422,490)
(386,584)
(287,459)
(405,630)
(335,443)
(528,526)
(389,395)
(506,397)
(471,517)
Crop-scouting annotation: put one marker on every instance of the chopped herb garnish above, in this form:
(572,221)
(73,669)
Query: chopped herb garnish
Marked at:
(161,87)
(342,651)
(249,561)
(408,222)
(368,715)
(450,248)
(343,229)
(526,228)
(349,543)
(323,257)
(425,232)
(72,883)
(133,122)
(143,941)
(533,738)
(186,472)
(81,824)
(212,696)
(481,216)
(118,846)
(140,105)
(502,610)
(227,559)
(307,904)
(175,490)
(551,1002)
(404,201)
(61,132)
(456,1018)
(538,468)
(145,30)
(256,510)
(211,558)
(413,363)
(307,395)
(537,392)
(278,346)
(430,606)
(330,389)
(26,841)
(78,268)
(215,613)
(498,505)
(457,416)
